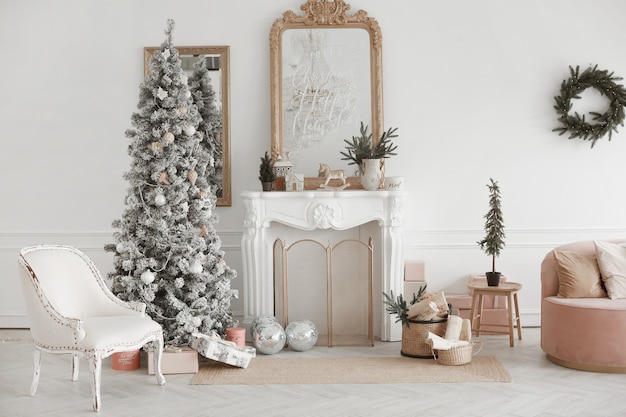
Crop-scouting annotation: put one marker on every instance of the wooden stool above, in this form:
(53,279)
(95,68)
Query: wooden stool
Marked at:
(508,289)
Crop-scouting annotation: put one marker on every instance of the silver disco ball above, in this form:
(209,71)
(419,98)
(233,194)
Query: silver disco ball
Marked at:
(301,335)
(268,336)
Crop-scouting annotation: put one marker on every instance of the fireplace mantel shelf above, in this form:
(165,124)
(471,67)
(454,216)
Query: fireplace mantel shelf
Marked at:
(310,210)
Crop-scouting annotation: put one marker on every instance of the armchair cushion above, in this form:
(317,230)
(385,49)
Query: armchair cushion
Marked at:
(579,275)
(612,263)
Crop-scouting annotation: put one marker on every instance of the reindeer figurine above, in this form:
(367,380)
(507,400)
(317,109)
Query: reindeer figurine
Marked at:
(331,174)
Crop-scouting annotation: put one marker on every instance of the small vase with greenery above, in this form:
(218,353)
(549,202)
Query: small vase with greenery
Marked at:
(266,172)
(361,147)
(493,242)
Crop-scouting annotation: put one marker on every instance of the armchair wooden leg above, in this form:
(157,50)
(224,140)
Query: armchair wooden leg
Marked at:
(75,365)
(96,370)
(158,354)
(36,372)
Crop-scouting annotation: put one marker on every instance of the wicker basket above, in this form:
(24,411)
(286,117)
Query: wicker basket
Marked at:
(414,337)
(457,356)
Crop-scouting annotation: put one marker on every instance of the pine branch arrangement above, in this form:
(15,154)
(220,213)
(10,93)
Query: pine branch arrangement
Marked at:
(493,242)
(361,146)
(399,306)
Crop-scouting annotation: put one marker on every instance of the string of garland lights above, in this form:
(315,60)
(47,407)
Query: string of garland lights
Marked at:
(603,123)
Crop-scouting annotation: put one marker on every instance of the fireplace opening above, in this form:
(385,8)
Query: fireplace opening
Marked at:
(329,284)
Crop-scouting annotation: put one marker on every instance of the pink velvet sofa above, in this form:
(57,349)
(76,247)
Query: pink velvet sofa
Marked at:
(581,333)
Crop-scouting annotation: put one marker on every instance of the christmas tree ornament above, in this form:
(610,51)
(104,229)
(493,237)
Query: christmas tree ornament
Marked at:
(203,230)
(120,247)
(195,267)
(155,146)
(268,336)
(147,277)
(163,178)
(168,137)
(187,94)
(301,335)
(165,54)
(192,176)
(161,93)
(196,321)
(160,200)
(202,194)
(182,110)
(189,130)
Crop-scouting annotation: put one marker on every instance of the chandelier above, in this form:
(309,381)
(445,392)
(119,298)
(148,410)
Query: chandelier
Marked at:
(319,95)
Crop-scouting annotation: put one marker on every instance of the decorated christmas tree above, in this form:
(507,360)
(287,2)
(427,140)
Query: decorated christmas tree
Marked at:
(167,253)
(204,97)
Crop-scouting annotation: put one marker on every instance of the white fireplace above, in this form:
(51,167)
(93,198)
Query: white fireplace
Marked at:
(269,214)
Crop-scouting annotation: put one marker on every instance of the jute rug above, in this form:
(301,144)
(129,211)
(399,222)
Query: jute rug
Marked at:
(382,370)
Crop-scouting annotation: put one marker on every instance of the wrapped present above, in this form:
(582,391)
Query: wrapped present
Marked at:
(175,361)
(215,348)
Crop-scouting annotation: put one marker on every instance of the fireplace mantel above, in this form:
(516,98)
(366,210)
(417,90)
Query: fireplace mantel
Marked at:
(311,210)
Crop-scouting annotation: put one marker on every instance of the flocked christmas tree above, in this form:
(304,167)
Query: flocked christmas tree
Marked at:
(204,97)
(167,253)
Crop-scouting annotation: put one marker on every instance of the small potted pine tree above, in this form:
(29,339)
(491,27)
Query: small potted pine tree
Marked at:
(493,242)
(266,172)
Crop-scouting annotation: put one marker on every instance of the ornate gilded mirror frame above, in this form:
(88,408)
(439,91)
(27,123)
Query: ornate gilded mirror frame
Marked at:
(221,65)
(329,15)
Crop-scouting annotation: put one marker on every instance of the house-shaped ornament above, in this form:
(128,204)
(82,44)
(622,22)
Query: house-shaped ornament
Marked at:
(281,169)
(294,182)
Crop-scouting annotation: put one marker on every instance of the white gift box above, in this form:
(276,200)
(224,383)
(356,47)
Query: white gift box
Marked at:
(214,348)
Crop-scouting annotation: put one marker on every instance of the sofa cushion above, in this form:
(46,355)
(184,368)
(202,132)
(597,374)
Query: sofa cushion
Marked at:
(612,263)
(579,275)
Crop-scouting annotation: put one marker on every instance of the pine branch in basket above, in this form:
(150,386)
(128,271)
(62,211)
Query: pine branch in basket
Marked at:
(398,305)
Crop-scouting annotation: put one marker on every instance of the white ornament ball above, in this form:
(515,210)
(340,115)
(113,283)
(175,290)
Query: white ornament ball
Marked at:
(189,130)
(196,267)
(120,247)
(196,321)
(147,277)
(187,94)
(160,200)
(301,335)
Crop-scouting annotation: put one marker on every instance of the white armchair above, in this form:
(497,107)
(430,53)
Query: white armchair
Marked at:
(72,311)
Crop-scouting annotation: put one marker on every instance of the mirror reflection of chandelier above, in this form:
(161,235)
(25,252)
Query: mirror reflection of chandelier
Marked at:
(319,95)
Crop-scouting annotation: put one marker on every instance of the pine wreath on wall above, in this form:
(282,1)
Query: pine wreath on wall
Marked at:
(603,123)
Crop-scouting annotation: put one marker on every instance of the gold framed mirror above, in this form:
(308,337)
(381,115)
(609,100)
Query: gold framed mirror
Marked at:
(218,62)
(326,78)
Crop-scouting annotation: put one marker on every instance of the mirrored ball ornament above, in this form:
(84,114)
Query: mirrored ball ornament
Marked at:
(301,335)
(268,336)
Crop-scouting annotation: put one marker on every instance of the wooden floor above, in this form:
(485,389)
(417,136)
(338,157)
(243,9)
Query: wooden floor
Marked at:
(539,388)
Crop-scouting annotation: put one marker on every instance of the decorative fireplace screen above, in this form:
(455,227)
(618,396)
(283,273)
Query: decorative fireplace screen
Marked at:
(338,275)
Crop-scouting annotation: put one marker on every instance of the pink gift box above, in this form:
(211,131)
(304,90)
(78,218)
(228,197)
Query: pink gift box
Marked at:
(414,271)
(183,362)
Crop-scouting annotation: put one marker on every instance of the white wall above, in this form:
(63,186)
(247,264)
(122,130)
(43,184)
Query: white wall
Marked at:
(470,84)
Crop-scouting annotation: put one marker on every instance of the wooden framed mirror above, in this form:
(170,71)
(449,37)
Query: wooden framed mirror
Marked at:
(218,64)
(326,78)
